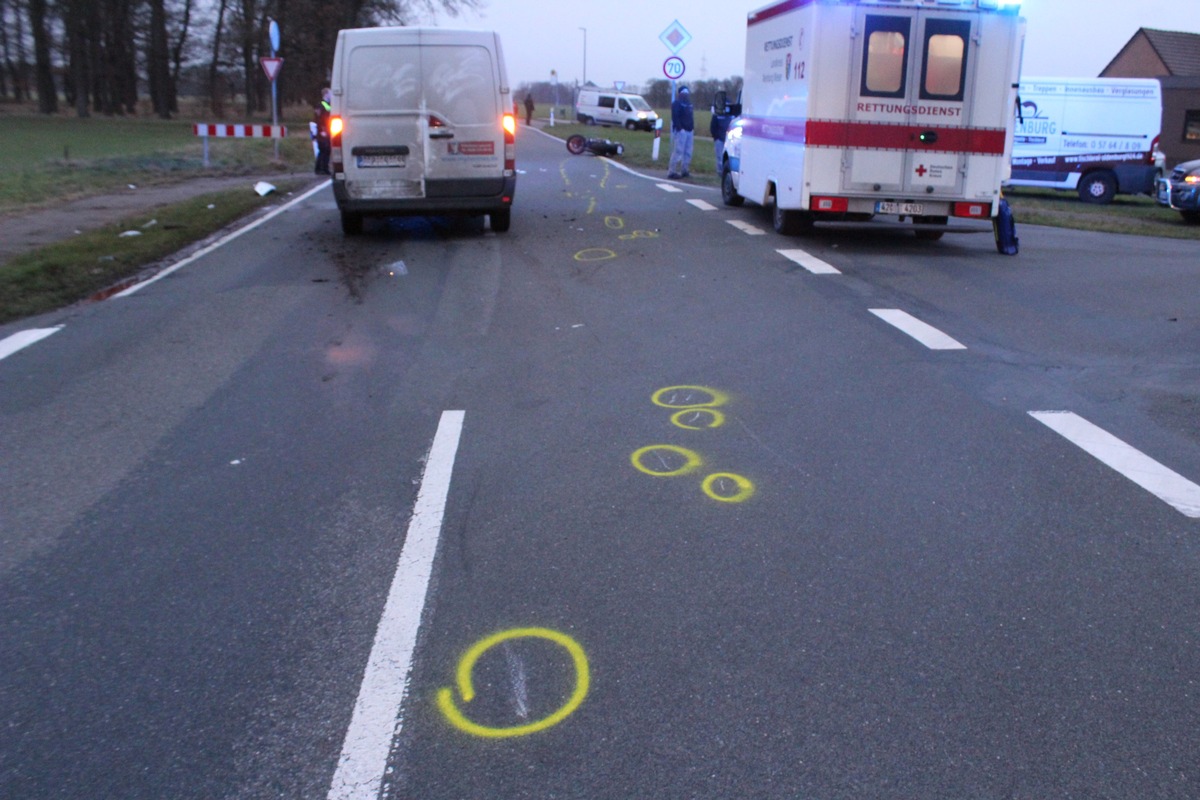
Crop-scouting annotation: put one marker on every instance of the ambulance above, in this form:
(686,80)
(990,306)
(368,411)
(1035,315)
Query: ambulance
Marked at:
(857,109)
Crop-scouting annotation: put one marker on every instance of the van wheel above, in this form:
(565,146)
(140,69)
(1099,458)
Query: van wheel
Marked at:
(352,224)
(501,220)
(789,222)
(630,125)
(1098,187)
(729,194)
(589,120)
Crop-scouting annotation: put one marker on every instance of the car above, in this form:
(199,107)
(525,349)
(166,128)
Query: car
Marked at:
(1181,190)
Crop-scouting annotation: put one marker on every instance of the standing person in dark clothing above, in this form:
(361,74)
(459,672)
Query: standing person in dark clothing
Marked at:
(321,118)
(529,108)
(683,126)
(718,128)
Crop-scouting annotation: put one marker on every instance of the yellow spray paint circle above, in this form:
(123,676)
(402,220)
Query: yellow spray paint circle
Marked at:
(697,419)
(689,397)
(691,460)
(595,254)
(445,696)
(727,487)
(614,223)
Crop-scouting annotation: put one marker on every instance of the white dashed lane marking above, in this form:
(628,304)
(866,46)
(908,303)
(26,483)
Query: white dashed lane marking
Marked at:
(22,339)
(746,227)
(810,262)
(1162,482)
(926,334)
(703,205)
(666,187)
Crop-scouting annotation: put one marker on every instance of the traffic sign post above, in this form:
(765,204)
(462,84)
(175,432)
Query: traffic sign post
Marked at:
(272,66)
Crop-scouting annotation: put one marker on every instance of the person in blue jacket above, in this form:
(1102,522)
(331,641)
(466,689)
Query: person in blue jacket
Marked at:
(683,126)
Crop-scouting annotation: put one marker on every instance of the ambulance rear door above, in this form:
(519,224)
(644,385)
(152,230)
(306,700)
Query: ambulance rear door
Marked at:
(910,103)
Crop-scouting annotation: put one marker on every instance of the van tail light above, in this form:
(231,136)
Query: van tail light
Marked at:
(1153,150)
(336,126)
(509,123)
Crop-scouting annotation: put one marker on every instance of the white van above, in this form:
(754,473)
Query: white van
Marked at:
(611,107)
(1095,136)
(421,123)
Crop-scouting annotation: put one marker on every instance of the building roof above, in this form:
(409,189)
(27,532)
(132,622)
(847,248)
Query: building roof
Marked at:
(1179,51)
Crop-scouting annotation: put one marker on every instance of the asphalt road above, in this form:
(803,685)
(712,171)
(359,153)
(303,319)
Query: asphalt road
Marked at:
(624,503)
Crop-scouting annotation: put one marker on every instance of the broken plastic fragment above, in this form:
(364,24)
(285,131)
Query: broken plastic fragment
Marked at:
(128,234)
(263,188)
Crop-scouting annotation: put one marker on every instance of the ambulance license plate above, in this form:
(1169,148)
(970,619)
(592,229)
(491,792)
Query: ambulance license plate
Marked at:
(366,162)
(899,208)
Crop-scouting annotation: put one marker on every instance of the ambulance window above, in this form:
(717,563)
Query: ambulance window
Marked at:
(885,56)
(944,70)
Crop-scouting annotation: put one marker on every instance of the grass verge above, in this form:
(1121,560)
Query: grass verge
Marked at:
(54,158)
(77,268)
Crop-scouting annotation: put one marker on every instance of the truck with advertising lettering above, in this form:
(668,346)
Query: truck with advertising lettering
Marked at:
(1095,136)
(856,109)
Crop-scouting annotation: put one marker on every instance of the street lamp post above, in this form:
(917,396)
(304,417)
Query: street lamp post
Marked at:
(584,55)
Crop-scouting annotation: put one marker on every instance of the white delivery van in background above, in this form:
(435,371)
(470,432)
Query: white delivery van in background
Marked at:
(421,123)
(611,107)
(1096,136)
(857,108)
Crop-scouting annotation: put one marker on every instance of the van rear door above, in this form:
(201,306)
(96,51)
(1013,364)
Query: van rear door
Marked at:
(423,121)
(464,137)
(908,132)
(383,141)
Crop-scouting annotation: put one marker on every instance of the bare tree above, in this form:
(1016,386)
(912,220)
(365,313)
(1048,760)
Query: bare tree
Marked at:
(44,69)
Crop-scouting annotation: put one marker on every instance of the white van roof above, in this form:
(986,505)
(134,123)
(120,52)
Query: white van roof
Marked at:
(397,34)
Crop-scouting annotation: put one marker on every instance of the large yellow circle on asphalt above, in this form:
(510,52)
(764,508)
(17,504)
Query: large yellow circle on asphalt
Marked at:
(691,460)
(595,254)
(445,696)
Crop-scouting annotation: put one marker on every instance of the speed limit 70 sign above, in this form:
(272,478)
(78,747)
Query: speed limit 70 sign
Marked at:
(673,68)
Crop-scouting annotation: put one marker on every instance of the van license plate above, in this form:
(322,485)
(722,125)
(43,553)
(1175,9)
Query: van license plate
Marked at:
(899,208)
(365,162)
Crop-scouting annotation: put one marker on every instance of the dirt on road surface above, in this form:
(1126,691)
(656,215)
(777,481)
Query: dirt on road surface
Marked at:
(25,231)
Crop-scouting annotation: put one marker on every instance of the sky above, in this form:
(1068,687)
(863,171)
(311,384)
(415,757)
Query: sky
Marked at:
(1065,38)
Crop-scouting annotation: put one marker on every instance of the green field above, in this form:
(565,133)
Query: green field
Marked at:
(45,159)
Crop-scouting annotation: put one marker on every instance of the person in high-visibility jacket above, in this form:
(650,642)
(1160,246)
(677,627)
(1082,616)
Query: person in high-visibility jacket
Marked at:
(321,116)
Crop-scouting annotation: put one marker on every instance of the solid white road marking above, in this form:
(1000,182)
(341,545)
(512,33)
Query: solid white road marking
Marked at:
(746,227)
(666,187)
(703,205)
(22,339)
(927,335)
(810,262)
(377,713)
(137,287)
(1164,483)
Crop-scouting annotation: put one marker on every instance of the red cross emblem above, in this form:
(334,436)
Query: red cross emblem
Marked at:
(921,170)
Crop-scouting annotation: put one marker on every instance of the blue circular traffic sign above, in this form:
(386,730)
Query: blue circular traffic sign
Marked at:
(674,68)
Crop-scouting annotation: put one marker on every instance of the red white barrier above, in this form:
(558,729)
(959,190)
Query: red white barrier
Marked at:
(240,131)
(204,131)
